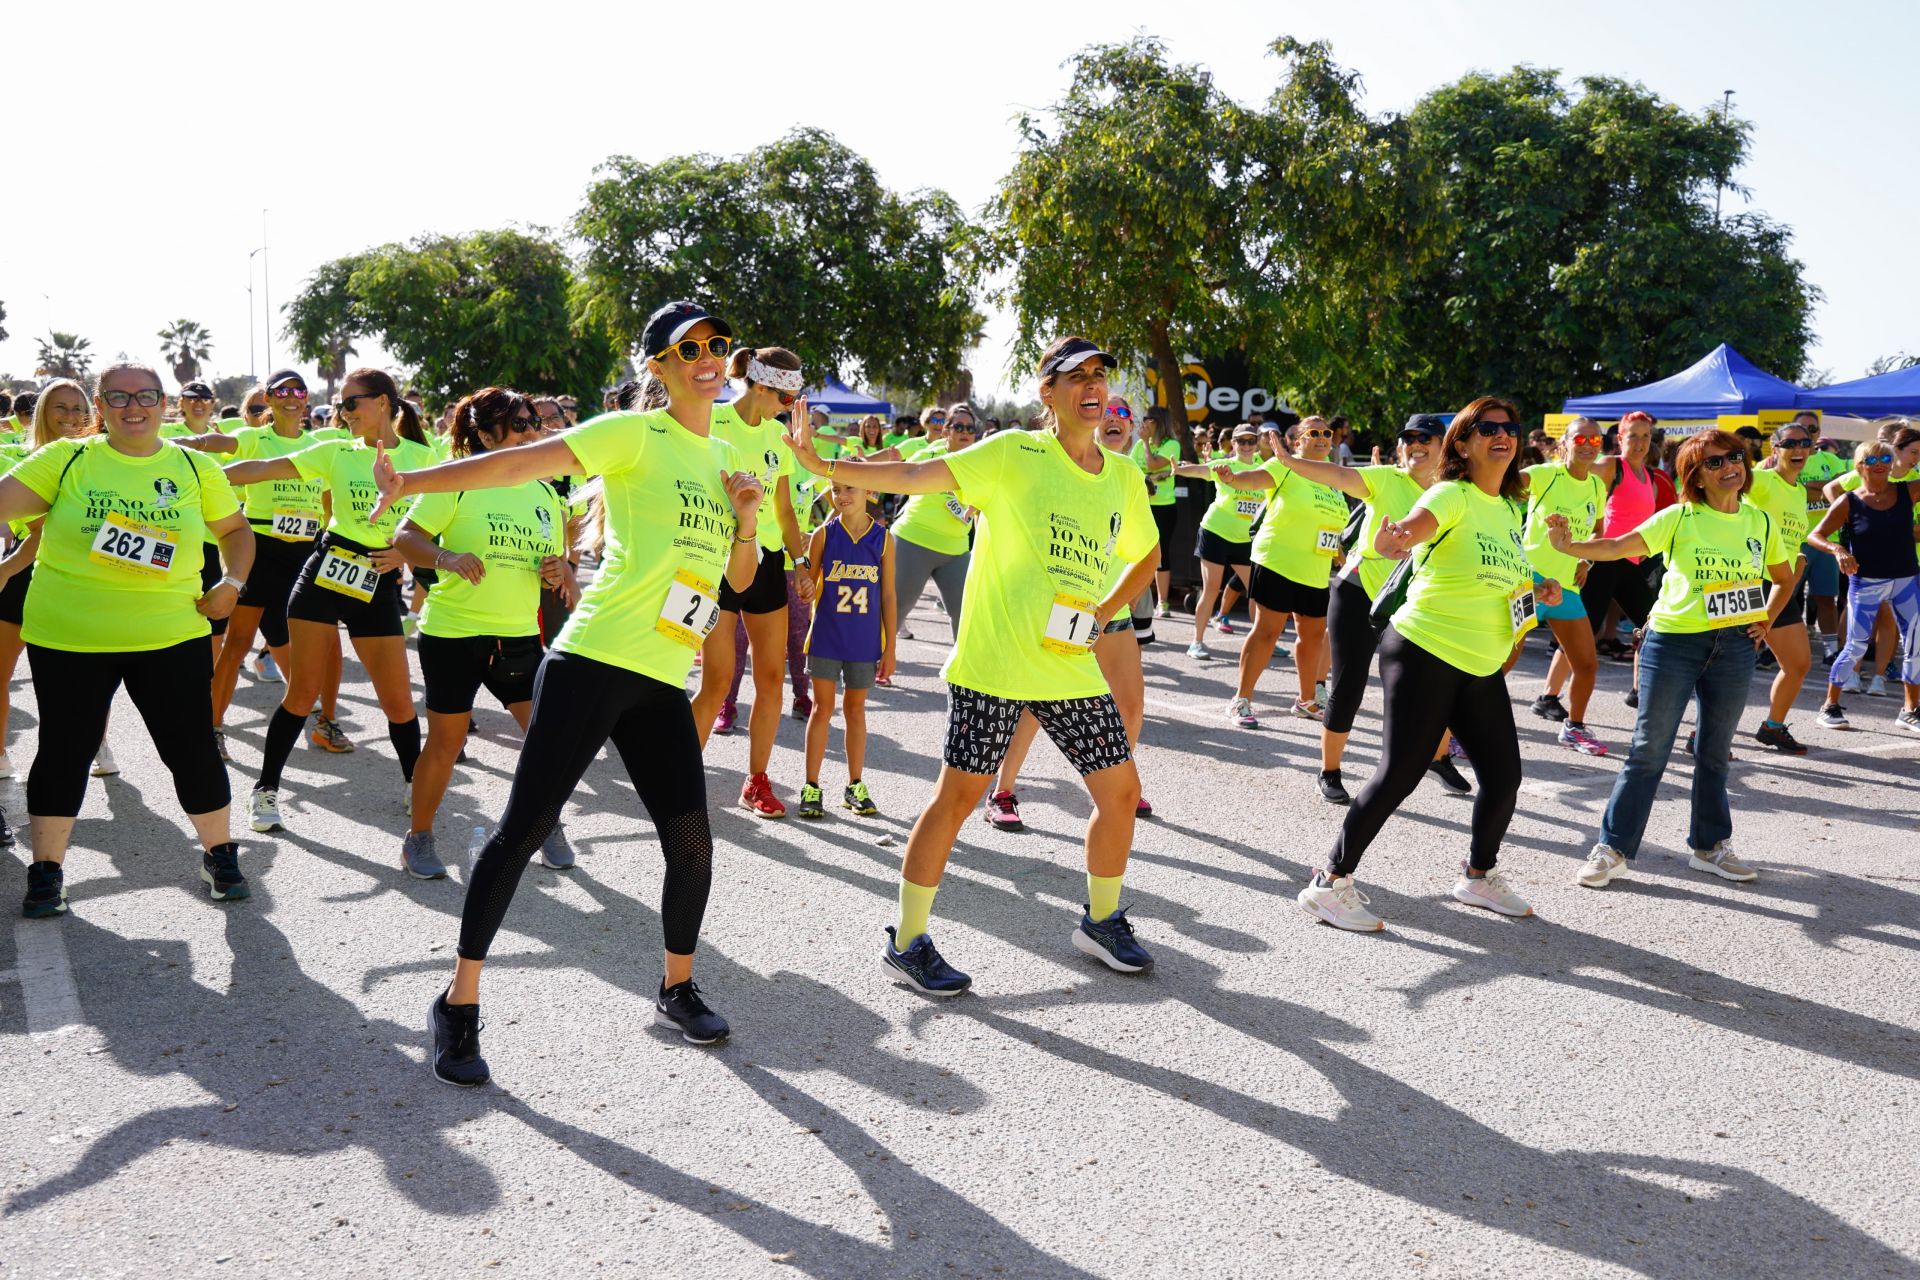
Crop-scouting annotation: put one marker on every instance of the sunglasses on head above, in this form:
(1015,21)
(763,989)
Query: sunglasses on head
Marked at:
(1715,461)
(1874,460)
(691,349)
(145,398)
(1595,441)
(1488,430)
(288,392)
(351,403)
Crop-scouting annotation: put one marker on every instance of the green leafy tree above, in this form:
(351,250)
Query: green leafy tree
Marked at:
(184,344)
(493,307)
(233,388)
(797,244)
(1888,364)
(3,322)
(1124,216)
(63,355)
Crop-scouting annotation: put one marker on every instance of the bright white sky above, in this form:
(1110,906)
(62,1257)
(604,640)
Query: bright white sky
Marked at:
(376,122)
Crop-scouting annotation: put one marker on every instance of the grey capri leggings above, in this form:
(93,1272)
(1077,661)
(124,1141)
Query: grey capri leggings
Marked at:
(913,564)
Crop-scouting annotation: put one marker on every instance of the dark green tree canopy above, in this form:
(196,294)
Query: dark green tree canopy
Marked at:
(493,307)
(796,244)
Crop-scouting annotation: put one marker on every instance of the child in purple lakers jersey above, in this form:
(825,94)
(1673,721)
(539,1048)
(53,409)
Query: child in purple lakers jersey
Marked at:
(847,646)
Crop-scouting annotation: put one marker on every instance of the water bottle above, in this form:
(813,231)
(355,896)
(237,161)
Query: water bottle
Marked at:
(475,843)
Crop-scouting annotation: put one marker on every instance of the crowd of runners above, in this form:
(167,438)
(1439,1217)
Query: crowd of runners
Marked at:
(579,571)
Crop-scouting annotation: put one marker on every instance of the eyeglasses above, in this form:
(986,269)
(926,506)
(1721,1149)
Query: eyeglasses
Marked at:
(691,349)
(1595,441)
(547,420)
(352,403)
(1120,411)
(287,393)
(146,398)
(1875,460)
(1318,433)
(1488,430)
(1715,461)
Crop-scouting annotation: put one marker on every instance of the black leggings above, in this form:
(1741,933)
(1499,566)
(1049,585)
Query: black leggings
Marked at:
(1635,586)
(171,688)
(1424,695)
(578,704)
(1353,640)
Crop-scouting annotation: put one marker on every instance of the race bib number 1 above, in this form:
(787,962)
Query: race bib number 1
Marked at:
(135,548)
(1069,627)
(691,609)
(295,526)
(1736,603)
(1327,542)
(349,574)
(1520,611)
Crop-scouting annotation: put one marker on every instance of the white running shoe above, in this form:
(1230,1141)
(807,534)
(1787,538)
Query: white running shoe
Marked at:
(1491,892)
(1719,861)
(103,762)
(267,669)
(1198,650)
(1852,685)
(1336,900)
(1877,687)
(1240,711)
(265,811)
(1603,866)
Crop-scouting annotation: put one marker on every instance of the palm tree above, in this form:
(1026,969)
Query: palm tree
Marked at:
(333,361)
(63,355)
(185,343)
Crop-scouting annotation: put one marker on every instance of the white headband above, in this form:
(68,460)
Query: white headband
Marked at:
(768,376)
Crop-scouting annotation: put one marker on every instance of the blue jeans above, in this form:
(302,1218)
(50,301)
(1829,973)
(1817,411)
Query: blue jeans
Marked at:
(1717,668)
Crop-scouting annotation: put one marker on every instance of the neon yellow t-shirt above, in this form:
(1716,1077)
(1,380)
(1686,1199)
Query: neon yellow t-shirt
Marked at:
(1300,533)
(118,568)
(669,532)
(1552,490)
(511,530)
(911,447)
(762,451)
(1391,493)
(1232,512)
(1163,484)
(935,521)
(1472,592)
(1786,501)
(279,508)
(344,468)
(1716,566)
(1050,534)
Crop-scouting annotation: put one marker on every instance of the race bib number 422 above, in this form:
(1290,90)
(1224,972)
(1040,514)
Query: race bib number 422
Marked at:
(691,609)
(295,526)
(134,548)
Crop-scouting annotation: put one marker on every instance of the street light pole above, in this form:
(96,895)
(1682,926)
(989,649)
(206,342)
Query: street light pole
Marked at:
(1726,108)
(266,290)
(253,365)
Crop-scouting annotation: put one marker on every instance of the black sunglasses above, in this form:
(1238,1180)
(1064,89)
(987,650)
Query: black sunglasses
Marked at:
(1488,430)
(1716,461)
(1800,442)
(351,403)
(1415,437)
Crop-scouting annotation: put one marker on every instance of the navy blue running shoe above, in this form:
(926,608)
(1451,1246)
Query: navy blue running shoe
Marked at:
(1112,943)
(680,1006)
(922,967)
(453,1043)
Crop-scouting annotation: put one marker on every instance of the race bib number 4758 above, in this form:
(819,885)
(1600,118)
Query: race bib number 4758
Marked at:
(134,548)
(1736,602)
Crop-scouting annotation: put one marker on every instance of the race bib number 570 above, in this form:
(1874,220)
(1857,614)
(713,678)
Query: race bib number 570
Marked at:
(135,548)
(349,574)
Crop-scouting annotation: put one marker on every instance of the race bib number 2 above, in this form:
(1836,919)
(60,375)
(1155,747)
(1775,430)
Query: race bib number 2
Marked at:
(135,548)
(691,609)
(1070,627)
(349,574)
(1736,602)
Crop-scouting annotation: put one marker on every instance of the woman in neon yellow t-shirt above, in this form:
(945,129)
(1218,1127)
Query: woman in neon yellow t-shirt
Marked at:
(116,600)
(1057,513)
(1782,489)
(349,577)
(1569,485)
(934,531)
(1443,660)
(59,413)
(1712,616)
(681,511)
(493,549)
(1226,527)
(1294,556)
(1157,453)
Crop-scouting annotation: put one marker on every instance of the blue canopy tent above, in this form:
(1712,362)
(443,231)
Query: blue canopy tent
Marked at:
(1875,397)
(1723,382)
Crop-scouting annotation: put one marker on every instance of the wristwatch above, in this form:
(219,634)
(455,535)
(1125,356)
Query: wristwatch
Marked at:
(803,562)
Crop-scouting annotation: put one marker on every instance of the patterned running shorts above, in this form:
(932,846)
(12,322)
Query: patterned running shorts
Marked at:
(980,727)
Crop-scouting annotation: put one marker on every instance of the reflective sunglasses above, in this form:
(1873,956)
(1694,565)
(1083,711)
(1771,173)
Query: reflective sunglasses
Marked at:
(146,398)
(786,398)
(196,399)
(287,392)
(352,403)
(1796,442)
(1715,461)
(1871,460)
(1488,430)
(691,349)
(1595,441)
(1120,411)
(937,420)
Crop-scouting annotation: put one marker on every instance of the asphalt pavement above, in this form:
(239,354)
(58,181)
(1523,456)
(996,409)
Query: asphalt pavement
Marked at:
(1674,1077)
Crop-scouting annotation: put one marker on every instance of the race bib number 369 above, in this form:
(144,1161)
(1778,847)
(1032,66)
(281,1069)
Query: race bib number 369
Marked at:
(1070,627)
(691,609)
(134,548)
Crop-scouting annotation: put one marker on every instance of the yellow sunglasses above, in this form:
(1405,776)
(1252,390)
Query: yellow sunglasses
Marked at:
(691,349)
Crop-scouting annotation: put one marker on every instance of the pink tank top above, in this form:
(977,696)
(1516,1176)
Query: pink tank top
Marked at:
(1629,505)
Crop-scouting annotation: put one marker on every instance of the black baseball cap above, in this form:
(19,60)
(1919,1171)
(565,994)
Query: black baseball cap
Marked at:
(1426,424)
(1071,355)
(670,324)
(196,390)
(279,376)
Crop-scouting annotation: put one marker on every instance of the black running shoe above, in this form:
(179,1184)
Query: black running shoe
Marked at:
(1448,775)
(1111,942)
(1331,789)
(453,1043)
(681,1006)
(220,868)
(1547,706)
(6,832)
(922,967)
(1778,737)
(1633,698)
(46,890)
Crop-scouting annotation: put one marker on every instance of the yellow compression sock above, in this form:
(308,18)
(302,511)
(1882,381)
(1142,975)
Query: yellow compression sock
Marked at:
(916,904)
(1103,896)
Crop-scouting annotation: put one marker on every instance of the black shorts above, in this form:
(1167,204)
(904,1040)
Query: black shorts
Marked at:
(276,566)
(1277,593)
(1165,517)
(455,668)
(13,596)
(1215,549)
(364,619)
(980,726)
(768,592)
(210,576)
(1795,614)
